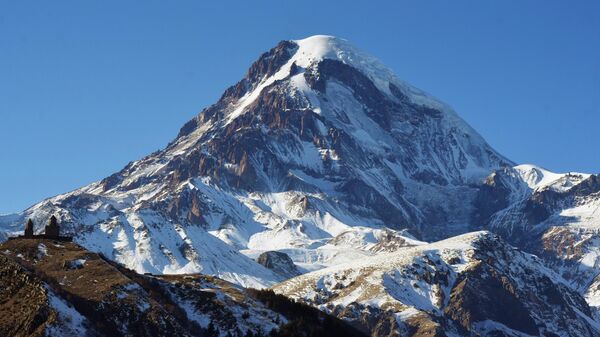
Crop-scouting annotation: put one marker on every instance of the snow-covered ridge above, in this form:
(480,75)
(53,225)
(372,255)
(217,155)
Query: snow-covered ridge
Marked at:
(434,285)
(539,178)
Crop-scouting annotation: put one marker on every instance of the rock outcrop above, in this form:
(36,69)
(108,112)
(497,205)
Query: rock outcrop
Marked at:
(279,262)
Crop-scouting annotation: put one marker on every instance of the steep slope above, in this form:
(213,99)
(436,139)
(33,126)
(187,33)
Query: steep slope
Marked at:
(51,288)
(469,285)
(320,152)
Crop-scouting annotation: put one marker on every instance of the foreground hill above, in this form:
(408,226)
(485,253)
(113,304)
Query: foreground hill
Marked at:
(469,285)
(52,288)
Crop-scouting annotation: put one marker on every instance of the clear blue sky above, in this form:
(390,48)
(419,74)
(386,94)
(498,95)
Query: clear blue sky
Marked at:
(87,86)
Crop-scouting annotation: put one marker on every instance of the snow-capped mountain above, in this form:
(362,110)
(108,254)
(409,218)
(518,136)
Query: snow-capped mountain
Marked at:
(320,151)
(469,285)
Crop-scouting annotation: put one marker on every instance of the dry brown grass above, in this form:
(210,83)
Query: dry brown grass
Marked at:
(93,281)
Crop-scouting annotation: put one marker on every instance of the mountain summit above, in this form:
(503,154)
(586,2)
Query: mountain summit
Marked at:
(320,152)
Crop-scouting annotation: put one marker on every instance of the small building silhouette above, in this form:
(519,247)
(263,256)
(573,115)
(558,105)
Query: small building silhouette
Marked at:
(29,229)
(51,231)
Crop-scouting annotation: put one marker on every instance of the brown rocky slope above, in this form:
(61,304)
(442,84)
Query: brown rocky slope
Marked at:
(55,288)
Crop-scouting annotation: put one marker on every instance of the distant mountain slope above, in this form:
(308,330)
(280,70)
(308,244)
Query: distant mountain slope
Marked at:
(556,216)
(51,288)
(469,285)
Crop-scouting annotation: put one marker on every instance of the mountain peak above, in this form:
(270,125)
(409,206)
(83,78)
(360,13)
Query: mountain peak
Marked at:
(319,47)
(320,145)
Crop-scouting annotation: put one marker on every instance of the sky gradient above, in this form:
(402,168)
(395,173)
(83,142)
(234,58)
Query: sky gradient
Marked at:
(86,87)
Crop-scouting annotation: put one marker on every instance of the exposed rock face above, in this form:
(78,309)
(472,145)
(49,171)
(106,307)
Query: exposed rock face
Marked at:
(52,288)
(279,262)
(470,285)
(391,241)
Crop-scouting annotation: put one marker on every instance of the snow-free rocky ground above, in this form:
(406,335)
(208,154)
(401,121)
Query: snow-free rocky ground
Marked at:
(322,153)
